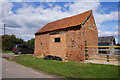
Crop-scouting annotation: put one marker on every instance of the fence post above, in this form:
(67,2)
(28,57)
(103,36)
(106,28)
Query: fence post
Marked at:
(108,55)
(86,54)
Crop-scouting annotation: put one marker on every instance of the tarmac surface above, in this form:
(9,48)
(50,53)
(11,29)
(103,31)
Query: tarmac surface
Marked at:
(14,70)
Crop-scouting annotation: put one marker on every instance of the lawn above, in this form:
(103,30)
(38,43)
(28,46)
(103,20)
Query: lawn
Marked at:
(7,52)
(69,69)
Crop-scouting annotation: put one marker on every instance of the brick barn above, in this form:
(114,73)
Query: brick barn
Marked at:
(67,37)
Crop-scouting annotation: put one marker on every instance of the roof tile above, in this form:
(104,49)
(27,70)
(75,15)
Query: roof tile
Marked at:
(65,22)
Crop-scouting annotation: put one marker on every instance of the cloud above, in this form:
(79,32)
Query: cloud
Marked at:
(105,17)
(117,28)
(7,10)
(29,19)
(11,1)
(4,1)
(50,4)
(21,32)
(108,33)
(67,4)
(80,7)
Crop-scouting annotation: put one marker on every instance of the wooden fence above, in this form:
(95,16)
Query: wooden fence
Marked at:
(108,56)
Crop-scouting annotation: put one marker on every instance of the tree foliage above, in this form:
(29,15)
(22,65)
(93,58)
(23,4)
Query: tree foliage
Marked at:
(9,41)
(31,42)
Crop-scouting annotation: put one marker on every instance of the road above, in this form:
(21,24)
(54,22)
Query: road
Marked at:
(14,70)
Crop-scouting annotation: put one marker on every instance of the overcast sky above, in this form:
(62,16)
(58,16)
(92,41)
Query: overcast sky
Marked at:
(23,19)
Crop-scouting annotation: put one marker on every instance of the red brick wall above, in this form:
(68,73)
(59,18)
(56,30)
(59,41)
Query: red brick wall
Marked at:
(75,45)
(58,48)
(42,43)
(92,32)
(74,42)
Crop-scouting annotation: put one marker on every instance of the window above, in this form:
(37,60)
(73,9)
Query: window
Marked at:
(56,39)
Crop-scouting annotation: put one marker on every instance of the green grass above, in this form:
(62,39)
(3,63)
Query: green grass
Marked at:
(0,49)
(69,69)
(7,52)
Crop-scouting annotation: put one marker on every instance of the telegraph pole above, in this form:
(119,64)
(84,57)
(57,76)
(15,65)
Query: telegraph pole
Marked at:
(4,28)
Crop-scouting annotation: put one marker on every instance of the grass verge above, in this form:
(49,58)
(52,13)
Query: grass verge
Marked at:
(69,69)
(7,52)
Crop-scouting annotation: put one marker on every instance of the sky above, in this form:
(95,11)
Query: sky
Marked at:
(23,19)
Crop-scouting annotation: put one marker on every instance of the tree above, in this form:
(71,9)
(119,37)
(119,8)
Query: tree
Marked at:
(9,41)
(31,42)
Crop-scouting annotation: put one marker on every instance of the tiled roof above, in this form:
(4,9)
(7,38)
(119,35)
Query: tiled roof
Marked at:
(65,22)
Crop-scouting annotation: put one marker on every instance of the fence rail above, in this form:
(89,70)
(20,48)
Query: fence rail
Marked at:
(103,46)
(105,55)
(107,50)
(104,59)
(102,50)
